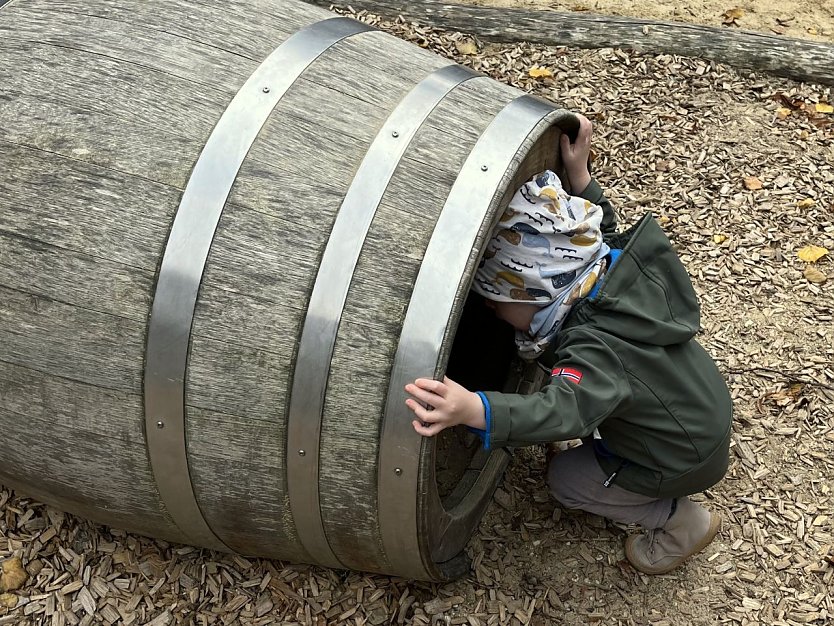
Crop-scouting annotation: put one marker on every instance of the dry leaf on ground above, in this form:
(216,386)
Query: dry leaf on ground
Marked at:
(752,183)
(466,46)
(13,575)
(822,107)
(8,600)
(730,16)
(540,72)
(811,254)
(813,275)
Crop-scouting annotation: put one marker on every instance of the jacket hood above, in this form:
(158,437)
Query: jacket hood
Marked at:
(647,295)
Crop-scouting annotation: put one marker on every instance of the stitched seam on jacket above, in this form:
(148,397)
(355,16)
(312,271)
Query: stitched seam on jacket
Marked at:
(669,411)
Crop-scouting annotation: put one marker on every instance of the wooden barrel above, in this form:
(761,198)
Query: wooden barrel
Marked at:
(229,234)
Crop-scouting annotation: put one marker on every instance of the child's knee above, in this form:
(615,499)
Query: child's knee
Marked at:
(560,485)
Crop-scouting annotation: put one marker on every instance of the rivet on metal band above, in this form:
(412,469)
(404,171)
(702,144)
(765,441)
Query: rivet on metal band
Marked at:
(191,236)
(432,300)
(312,364)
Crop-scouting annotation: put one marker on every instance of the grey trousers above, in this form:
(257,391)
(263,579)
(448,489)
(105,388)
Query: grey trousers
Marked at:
(576,480)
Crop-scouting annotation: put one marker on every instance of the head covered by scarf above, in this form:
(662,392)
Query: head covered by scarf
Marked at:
(547,249)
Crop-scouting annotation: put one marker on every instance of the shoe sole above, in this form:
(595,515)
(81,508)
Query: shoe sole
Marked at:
(714,527)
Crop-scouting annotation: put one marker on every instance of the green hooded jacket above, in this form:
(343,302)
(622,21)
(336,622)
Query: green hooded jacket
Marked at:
(626,362)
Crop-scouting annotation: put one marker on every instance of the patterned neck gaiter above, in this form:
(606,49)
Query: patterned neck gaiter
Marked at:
(547,249)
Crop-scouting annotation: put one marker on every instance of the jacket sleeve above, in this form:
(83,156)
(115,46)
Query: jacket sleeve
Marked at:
(587,384)
(593,192)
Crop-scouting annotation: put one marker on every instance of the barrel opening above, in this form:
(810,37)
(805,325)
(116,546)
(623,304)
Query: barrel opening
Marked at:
(481,359)
(481,355)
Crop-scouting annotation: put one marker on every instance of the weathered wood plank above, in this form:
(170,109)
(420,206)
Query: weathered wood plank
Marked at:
(81,280)
(67,341)
(246,457)
(118,144)
(394,64)
(112,88)
(80,448)
(346,497)
(800,59)
(95,211)
(249,29)
(150,50)
(238,379)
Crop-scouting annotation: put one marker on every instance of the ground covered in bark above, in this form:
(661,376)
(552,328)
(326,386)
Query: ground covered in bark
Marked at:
(738,170)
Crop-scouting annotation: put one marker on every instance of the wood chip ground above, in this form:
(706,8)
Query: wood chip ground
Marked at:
(684,139)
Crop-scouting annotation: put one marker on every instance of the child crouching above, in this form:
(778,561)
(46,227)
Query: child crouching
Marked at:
(613,318)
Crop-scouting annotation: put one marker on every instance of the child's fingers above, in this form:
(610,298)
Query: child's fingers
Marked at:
(426,430)
(585,129)
(422,395)
(434,386)
(422,412)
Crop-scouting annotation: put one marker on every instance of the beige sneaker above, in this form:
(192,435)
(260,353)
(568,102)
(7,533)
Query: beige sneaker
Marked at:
(687,532)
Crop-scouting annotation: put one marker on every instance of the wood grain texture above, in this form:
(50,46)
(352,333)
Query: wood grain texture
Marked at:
(800,59)
(81,449)
(134,48)
(246,29)
(83,281)
(79,344)
(95,211)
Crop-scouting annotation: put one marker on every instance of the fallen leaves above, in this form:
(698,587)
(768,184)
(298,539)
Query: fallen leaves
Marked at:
(818,113)
(719,239)
(539,72)
(752,183)
(8,600)
(812,254)
(814,275)
(466,46)
(731,16)
(12,575)
(807,203)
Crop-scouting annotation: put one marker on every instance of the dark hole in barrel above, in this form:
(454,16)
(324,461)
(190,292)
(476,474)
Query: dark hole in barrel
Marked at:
(481,359)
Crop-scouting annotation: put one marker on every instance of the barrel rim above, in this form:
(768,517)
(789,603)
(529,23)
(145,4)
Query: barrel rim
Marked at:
(405,458)
(459,520)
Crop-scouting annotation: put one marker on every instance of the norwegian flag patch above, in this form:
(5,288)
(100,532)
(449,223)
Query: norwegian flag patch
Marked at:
(568,372)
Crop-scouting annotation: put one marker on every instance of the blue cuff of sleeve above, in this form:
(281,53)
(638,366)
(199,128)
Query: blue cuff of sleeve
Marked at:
(484,434)
(613,257)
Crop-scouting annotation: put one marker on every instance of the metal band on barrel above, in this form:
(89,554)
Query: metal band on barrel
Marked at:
(426,320)
(184,260)
(327,300)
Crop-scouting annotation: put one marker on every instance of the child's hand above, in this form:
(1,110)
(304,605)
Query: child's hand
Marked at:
(452,403)
(575,155)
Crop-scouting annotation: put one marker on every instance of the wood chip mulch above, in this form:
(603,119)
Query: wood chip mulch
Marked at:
(738,169)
